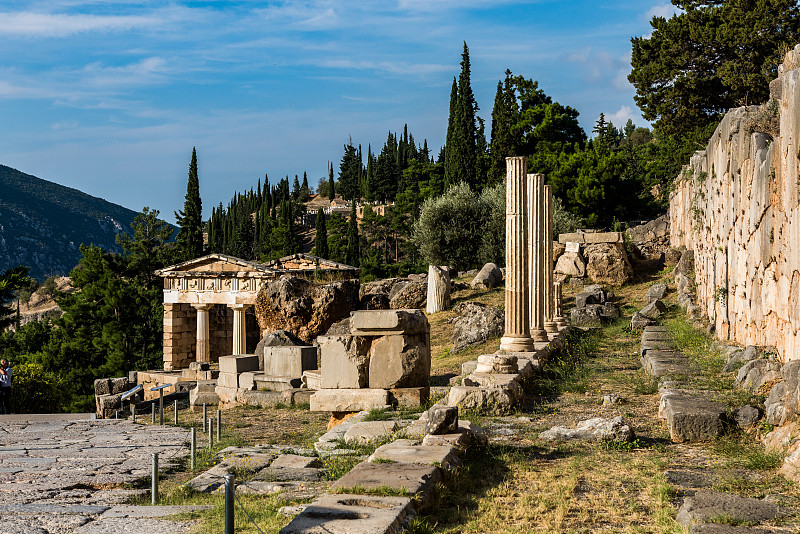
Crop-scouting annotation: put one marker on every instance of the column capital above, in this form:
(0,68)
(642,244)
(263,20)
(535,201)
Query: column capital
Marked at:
(201,307)
(238,307)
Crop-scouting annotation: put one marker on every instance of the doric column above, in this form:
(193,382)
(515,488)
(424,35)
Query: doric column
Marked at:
(239,329)
(517,336)
(536,256)
(550,325)
(203,347)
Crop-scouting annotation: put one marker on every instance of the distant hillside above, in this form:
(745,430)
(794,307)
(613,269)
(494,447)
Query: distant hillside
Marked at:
(42,223)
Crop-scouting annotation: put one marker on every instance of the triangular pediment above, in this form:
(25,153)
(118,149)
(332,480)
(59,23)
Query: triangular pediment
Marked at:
(307,262)
(215,263)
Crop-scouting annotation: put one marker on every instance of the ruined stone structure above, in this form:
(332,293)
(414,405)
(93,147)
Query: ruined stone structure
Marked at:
(736,206)
(208,303)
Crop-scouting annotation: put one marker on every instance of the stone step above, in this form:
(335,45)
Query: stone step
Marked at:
(418,480)
(692,417)
(658,363)
(347,514)
(704,506)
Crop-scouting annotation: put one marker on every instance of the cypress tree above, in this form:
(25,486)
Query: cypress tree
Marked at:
(331,183)
(321,241)
(190,220)
(503,116)
(463,155)
(353,256)
(449,166)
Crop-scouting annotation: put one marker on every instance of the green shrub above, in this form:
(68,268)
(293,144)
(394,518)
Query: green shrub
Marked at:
(34,390)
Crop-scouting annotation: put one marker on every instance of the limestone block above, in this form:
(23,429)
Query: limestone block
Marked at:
(704,506)
(656,292)
(102,386)
(654,309)
(693,418)
(594,429)
(289,361)
(409,397)
(239,363)
(572,246)
(494,380)
(402,451)
(591,237)
(272,383)
(572,264)
(399,361)
(369,431)
(248,379)
(312,380)
(469,367)
(498,400)
(348,514)
(198,396)
(265,399)
(297,396)
(382,322)
(345,361)
(228,380)
(417,480)
(226,395)
(441,420)
(348,400)
(458,439)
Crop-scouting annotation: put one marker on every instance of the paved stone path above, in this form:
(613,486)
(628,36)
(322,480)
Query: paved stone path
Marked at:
(63,474)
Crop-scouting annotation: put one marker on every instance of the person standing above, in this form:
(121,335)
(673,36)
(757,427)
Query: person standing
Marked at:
(6,374)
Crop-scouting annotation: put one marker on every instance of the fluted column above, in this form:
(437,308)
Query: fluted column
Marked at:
(202,347)
(239,329)
(536,259)
(517,336)
(550,325)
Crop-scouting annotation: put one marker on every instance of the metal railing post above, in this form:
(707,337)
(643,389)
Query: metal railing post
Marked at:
(154,480)
(219,424)
(160,406)
(210,435)
(230,509)
(175,409)
(192,445)
(205,415)
(133,412)
(154,412)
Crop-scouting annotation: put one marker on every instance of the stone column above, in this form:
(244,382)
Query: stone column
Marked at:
(517,336)
(536,261)
(561,321)
(550,325)
(438,288)
(239,328)
(203,346)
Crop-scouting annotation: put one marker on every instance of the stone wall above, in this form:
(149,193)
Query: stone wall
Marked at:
(180,335)
(736,206)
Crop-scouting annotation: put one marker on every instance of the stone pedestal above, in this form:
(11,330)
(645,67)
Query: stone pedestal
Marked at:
(203,350)
(517,328)
(536,256)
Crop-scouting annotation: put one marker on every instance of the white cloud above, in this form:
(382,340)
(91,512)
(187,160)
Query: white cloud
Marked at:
(62,25)
(622,115)
(664,9)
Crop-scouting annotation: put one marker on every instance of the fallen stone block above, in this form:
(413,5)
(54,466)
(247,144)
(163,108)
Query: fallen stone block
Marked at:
(656,328)
(417,480)
(488,277)
(348,514)
(295,461)
(289,361)
(402,451)
(692,418)
(399,361)
(656,292)
(706,505)
(490,380)
(441,420)
(383,322)
(658,363)
(595,429)
(369,431)
(655,336)
(655,345)
(345,362)
(409,397)
(654,309)
(468,367)
(496,400)
(311,380)
(238,363)
(289,474)
(721,528)
(348,400)
(198,397)
(297,396)
(639,321)
(459,439)
(271,383)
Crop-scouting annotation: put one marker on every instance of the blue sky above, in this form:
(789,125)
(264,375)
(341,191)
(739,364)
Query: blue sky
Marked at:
(110,96)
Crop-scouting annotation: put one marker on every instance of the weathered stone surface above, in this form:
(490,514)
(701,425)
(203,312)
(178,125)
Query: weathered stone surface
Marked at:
(374,301)
(475,323)
(652,238)
(345,361)
(686,263)
(312,380)
(722,528)
(383,322)
(653,309)
(571,264)
(584,298)
(402,451)
(692,418)
(279,338)
(656,292)
(639,321)
(588,316)
(369,431)
(412,296)
(270,383)
(499,400)
(398,361)
(295,461)
(740,357)
(757,373)
(660,363)
(383,287)
(441,420)
(608,264)
(304,308)
(351,514)
(290,361)
(746,416)
(419,480)
(228,380)
(409,397)
(705,505)
(591,237)
(490,276)
(238,363)
(348,400)
(595,429)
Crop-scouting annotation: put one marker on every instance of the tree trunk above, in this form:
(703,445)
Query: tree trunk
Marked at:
(438,288)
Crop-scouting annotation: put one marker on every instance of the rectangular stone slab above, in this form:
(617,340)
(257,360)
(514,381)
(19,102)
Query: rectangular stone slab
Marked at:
(402,452)
(418,480)
(656,336)
(345,361)
(348,400)
(352,514)
(409,397)
(382,322)
(655,345)
(289,361)
(272,383)
(654,328)
(228,380)
(238,363)
(692,418)
(665,363)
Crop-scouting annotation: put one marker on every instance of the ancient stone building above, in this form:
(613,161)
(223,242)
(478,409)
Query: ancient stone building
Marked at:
(737,206)
(208,303)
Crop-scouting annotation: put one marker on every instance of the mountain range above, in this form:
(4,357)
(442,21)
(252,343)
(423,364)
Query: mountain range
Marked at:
(42,224)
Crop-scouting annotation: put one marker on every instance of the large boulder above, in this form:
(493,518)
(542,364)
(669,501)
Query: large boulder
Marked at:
(488,277)
(383,287)
(411,296)
(304,308)
(652,238)
(572,264)
(607,263)
(474,324)
(374,301)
